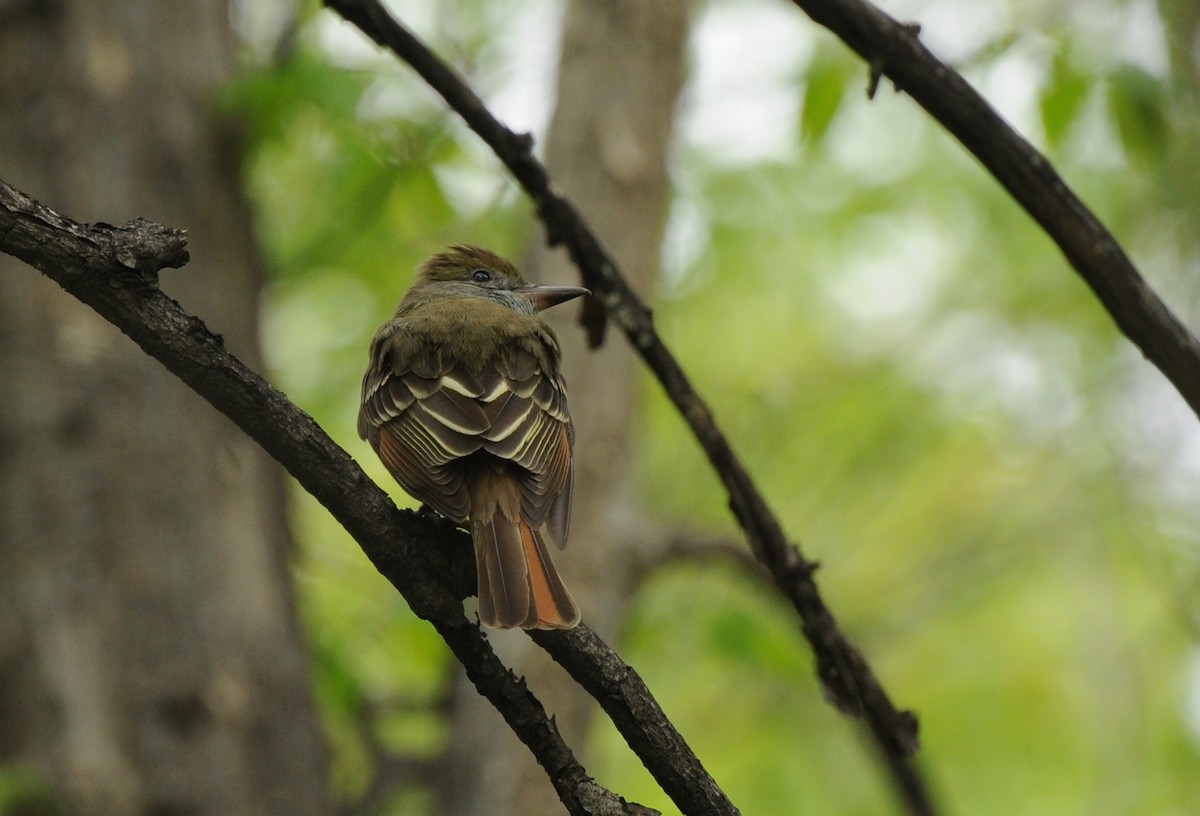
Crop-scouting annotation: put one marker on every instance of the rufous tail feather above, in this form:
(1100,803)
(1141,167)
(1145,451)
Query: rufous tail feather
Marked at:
(518,584)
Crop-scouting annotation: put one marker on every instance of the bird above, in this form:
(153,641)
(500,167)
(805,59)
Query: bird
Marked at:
(464,402)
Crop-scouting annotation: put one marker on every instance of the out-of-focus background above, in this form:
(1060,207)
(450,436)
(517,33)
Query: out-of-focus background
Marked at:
(1002,493)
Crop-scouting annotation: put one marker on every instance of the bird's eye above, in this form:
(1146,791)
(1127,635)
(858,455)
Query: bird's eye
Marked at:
(481,276)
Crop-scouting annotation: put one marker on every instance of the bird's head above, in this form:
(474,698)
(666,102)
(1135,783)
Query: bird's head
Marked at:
(470,270)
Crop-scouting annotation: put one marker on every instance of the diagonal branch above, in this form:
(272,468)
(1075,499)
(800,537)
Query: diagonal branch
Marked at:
(114,270)
(893,49)
(844,671)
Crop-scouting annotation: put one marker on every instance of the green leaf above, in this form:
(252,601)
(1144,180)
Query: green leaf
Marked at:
(1063,99)
(824,89)
(1138,102)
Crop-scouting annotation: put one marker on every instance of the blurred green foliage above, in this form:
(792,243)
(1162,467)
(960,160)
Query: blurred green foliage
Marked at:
(1000,491)
(24,792)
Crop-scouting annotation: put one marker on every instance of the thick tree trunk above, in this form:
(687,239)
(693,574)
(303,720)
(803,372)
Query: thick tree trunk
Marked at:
(620,73)
(150,657)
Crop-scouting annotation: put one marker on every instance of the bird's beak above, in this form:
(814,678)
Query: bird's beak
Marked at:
(543,297)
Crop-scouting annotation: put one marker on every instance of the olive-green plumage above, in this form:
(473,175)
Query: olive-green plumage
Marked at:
(464,403)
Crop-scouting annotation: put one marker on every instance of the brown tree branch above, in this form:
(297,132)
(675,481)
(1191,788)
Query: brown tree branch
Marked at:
(893,49)
(845,674)
(114,271)
(618,688)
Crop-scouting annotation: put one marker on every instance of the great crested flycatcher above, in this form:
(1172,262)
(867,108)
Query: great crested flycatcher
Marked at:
(464,403)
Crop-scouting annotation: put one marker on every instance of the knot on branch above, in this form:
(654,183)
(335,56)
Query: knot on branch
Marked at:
(523,142)
(851,686)
(143,246)
(910,32)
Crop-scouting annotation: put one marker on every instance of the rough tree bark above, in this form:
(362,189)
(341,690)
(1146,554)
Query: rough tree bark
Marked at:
(620,72)
(150,657)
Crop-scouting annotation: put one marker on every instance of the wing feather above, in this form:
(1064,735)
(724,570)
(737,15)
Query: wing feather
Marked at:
(425,414)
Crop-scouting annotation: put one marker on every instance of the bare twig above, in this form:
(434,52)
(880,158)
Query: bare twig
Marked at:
(114,271)
(847,677)
(894,50)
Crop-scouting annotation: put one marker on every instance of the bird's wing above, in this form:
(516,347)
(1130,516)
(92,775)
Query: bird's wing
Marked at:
(421,418)
(533,429)
(423,412)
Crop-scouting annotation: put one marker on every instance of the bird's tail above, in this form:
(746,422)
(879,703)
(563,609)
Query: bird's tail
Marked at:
(518,584)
